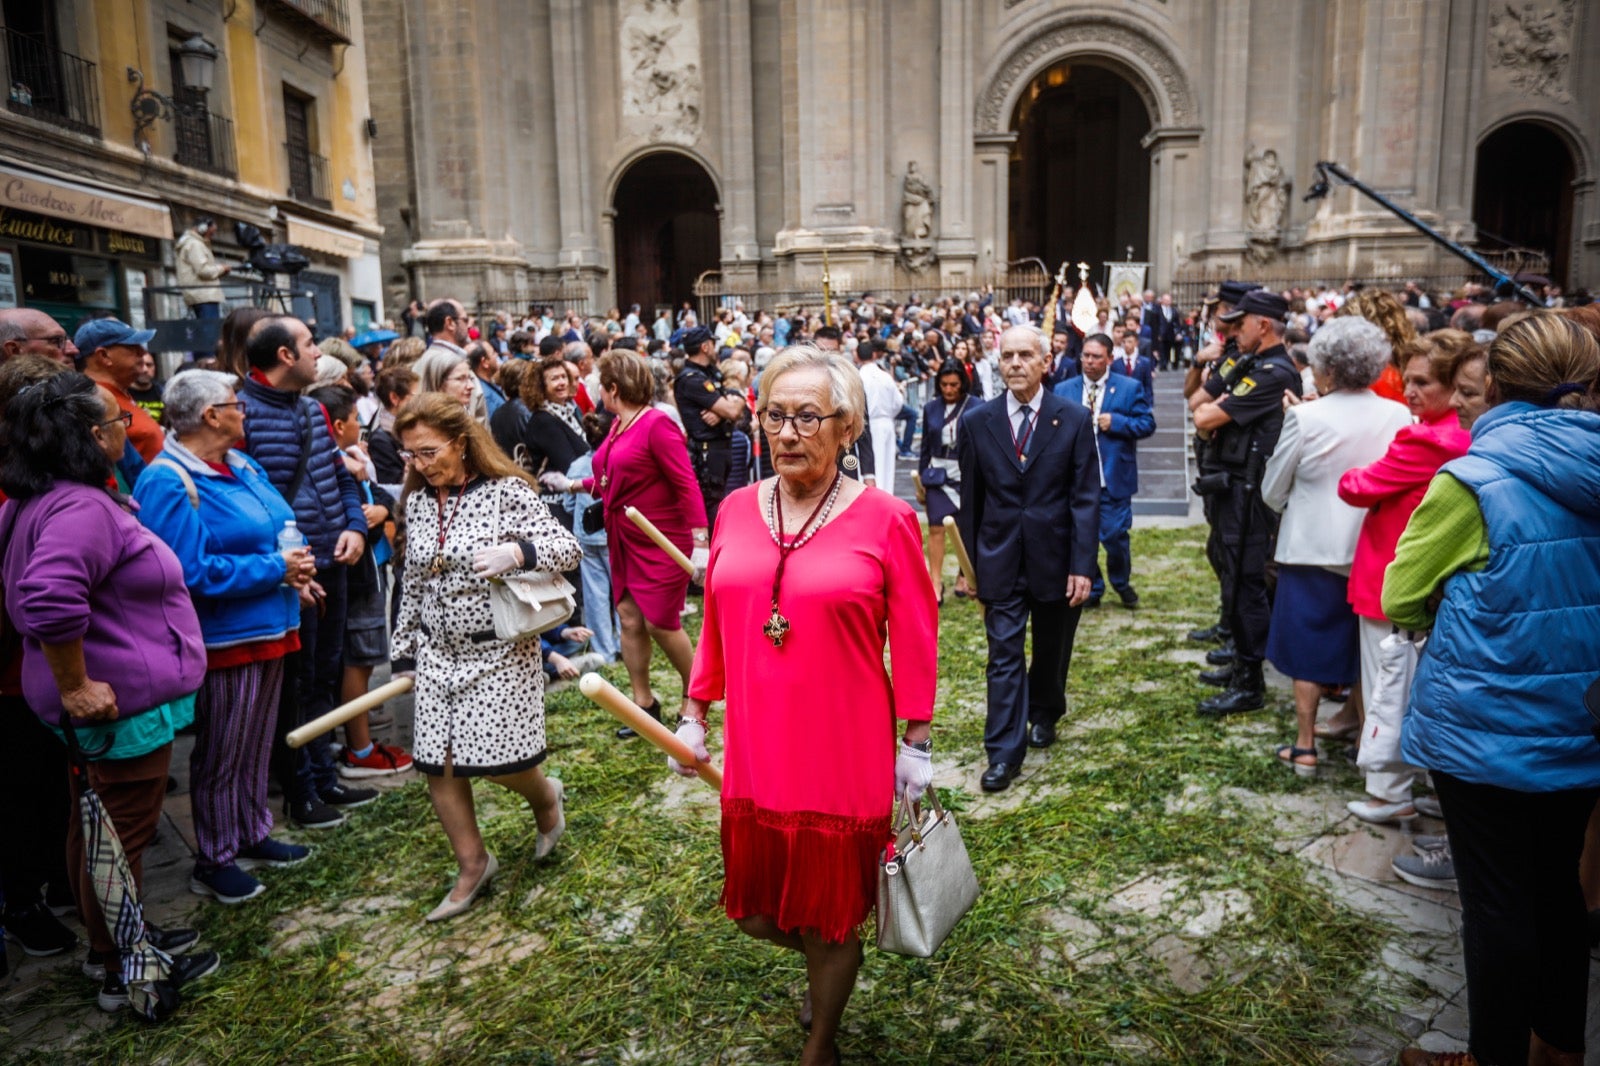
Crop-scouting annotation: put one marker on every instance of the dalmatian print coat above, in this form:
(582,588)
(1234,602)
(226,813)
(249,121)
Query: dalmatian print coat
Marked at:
(479,701)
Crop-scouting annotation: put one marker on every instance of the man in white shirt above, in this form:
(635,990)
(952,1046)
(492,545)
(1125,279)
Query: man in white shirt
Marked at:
(884,401)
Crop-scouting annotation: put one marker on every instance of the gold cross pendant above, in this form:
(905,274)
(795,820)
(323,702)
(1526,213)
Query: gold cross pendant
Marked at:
(775,629)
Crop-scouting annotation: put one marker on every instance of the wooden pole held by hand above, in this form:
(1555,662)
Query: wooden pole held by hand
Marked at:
(660,538)
(298,738)
(604,694)
(962,558)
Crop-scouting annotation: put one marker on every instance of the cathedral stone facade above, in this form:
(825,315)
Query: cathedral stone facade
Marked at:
(619,151)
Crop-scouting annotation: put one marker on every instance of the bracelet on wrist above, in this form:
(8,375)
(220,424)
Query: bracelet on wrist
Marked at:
(924,746)
(701,722)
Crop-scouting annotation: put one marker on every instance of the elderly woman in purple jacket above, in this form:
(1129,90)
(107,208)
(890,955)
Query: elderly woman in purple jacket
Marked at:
(110,637)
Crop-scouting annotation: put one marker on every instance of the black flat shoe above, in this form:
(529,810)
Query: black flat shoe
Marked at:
(1221,677)
(1041,734)
(654,711)
(1220,656)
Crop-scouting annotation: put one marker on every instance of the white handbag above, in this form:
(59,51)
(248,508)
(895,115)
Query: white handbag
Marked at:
(925,883)
(1386,704)
(526,605)
(529,603)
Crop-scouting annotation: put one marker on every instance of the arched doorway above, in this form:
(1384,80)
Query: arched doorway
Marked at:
(1080,180)
(667,230)
(1522,193)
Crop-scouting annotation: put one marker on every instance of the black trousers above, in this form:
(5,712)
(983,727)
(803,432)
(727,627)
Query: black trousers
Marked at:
(35,807)
(711,461)
(1021,692)
(1245,529)
(1522,913)
(312,677)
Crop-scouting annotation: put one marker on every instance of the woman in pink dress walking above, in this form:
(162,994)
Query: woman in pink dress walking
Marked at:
(644,463)
(810,574)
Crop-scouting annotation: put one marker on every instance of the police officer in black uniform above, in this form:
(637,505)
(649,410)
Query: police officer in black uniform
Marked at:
(1245,419)
(708,412)
(1210,376)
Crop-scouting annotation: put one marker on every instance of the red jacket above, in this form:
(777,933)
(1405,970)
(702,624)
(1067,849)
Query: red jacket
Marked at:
(1392,487)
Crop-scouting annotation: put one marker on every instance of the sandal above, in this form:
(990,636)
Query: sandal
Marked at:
(1291,756)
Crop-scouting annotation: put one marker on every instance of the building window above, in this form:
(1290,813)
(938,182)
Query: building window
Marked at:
(42,81)
(308,171)
(204,137)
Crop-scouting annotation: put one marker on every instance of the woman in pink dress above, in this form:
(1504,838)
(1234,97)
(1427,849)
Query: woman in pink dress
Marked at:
(644,463)
(793,639)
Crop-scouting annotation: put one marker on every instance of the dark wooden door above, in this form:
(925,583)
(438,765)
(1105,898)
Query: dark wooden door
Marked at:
(297,133)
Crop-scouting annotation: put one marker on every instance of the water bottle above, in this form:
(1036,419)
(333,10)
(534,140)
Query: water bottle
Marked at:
(290,538)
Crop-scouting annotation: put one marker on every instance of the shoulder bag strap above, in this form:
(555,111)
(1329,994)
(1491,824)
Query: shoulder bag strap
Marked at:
(183,476)
(299,478)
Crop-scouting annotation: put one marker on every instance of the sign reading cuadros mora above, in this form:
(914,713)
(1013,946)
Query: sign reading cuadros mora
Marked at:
(84,205)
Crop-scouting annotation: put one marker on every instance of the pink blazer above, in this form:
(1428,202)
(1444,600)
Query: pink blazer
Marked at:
(1391,488)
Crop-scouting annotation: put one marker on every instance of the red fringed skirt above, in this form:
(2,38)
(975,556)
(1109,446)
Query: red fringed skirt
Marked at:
(809,872)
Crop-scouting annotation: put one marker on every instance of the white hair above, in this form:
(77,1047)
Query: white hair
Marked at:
(189,394)
(1351,351)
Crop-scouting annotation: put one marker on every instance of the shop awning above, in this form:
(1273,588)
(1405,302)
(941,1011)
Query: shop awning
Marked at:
(86,205)
(339,243)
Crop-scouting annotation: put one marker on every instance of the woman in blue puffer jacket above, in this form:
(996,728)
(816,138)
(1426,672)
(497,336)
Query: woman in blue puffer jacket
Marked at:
(216,510)
(1508,537)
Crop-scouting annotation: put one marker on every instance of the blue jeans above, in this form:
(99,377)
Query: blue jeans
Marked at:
(1116,519)
(595,570)
(909,417)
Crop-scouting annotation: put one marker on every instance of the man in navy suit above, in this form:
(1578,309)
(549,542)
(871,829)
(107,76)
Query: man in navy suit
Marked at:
(1165,333)
(1129,363)
(1030,490)
(1122,417)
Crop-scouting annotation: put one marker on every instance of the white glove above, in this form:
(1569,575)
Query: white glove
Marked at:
(555,481)
(497,561)
(692,733)
(700,558)
(913,772)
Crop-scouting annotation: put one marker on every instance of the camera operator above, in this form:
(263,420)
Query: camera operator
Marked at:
(1244,418)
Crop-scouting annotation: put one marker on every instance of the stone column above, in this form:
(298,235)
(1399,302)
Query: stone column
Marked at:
(957,251)
(741,251)
(992,200)
(1177,212)
(580,250)
(1226,127)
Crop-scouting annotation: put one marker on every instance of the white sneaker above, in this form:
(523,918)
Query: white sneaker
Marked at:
(1371,810)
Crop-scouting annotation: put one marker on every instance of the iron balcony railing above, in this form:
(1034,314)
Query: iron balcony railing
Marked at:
(50,85)
(308,176)
(329,19)
(205,141)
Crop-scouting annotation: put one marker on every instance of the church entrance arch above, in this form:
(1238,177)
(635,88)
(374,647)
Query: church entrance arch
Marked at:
(1523,193)
(1079,172)
(667,230)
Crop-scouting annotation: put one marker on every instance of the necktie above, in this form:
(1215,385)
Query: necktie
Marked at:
(1024,431)
(1093,396)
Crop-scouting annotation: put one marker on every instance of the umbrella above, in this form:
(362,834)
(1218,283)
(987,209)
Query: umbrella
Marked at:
(144,968)
(1527,278)
(373,336)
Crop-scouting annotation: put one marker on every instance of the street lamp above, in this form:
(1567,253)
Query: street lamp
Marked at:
(197,61)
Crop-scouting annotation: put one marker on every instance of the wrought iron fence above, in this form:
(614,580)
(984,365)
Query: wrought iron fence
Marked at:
(205,140)
(50,85)
(560,299)
(1025,279)
(308,176)
(1192,284)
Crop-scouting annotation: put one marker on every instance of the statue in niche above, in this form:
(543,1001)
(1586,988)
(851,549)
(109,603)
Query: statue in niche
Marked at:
(1266,201)
(1531,46)
(916,206)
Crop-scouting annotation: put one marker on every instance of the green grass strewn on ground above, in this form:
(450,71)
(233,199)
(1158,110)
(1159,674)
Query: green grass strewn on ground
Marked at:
(615,950)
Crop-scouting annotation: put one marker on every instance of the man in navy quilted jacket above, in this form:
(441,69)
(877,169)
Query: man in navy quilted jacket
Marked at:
(292,439)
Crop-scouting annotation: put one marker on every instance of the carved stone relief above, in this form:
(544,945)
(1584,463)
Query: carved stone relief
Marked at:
(1106,36)
(1266,201)
(660,66)
(1530,47)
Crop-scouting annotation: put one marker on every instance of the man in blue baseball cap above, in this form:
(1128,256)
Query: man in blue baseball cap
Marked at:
(111,350)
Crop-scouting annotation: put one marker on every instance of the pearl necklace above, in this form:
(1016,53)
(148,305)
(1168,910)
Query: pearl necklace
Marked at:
(777,626)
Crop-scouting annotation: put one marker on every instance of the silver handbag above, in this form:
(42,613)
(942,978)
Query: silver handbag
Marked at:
(526,605)
(925,882)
